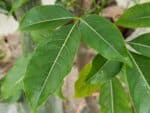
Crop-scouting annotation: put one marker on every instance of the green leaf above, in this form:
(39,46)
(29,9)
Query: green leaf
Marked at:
(40,36)
(45,17)
(12,84)
(17,4)
(106,71)
(50,63)
(82,88)
(141,44)
(113,98)
(103,36)
(3,5)
(139,82)
(136,16)
(94,74)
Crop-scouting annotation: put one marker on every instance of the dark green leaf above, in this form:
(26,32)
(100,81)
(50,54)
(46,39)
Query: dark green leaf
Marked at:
(12,84)
(136,16)
(3,5)
(103,36)
(45,17)
(138,78)
(106,71)
(113,98)
(141,44)
(50,63)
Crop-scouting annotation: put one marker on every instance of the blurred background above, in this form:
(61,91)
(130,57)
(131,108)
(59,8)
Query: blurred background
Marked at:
(13,44)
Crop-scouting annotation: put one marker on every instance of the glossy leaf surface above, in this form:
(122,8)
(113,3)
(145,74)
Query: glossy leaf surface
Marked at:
(103,36)
(45,17)
(113,98)
(50,63)
(136,16)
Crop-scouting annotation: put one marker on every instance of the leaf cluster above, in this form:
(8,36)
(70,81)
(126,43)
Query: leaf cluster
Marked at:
(58,33)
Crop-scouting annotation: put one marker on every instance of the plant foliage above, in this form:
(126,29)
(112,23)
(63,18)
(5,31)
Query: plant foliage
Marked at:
(58,34)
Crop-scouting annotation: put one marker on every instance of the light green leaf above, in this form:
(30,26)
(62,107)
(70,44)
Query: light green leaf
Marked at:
(103,36)
(17,4)
(136,16)
(50,63)
(113,98)
(12,84)
(138,78)
(82,88)
(45,17)
(141,44)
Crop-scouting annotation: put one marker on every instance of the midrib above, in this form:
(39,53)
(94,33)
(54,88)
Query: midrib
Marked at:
(55,61)
(112,97)
(101,37)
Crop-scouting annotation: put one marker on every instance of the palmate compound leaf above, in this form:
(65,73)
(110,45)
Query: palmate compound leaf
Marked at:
(94,74)
(141,44)
(50,63)
(103,36)
(12,84)
(136,16)
(138,78)
(45,17)
(113,98)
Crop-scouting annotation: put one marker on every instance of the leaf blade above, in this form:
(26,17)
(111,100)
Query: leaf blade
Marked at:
(139,84)
(113,98)
(44,17)
(141,44)
(12,84)
(57,65)
(135,17)
(90,27)
(82,88)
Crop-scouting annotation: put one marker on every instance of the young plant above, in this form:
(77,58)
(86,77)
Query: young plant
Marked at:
(58,32)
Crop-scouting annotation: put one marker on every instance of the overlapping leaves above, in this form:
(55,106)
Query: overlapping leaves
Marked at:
(53,58)
(141,44)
